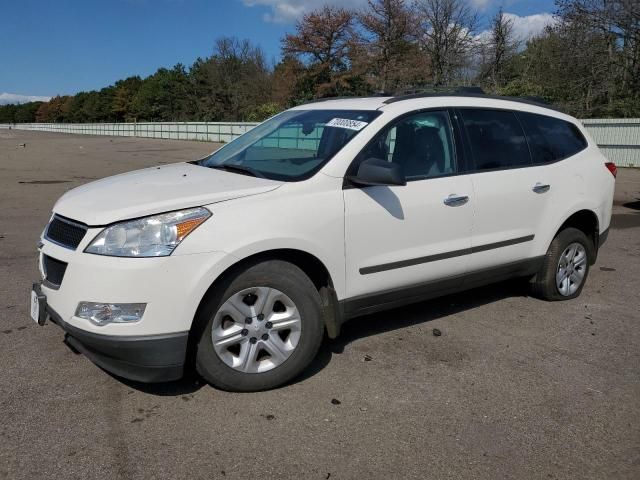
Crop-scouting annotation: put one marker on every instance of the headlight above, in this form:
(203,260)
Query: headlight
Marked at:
(155,236)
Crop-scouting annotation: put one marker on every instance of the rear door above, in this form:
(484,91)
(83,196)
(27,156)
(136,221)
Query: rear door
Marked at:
(511,194)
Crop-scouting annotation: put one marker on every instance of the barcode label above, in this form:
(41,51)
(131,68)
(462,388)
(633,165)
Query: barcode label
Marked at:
(347,123)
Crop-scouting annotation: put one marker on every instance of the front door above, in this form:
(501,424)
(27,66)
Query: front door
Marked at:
(403,236)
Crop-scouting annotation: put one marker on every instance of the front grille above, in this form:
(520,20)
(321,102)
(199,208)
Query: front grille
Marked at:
(65,232)
(53,270)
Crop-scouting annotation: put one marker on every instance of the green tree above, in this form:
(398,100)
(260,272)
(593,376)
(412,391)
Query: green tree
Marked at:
(123,95)
(163,96)
(26,113)
(287,88)
(231,83)
(8,113)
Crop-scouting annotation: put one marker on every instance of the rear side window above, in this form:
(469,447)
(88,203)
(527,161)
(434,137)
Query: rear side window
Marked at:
(496,138)
(551,139)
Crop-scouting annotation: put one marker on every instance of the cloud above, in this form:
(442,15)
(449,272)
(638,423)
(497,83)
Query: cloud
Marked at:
(480,4)
(524,28)
(7,98)
(530,26)
(288,11)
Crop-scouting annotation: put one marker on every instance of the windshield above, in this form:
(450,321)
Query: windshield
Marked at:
(291,146)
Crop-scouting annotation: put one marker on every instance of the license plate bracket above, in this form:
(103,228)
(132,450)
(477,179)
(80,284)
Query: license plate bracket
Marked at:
(38,305)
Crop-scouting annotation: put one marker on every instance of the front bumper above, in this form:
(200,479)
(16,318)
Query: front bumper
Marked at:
(172,287)
(152,349)
(148,358)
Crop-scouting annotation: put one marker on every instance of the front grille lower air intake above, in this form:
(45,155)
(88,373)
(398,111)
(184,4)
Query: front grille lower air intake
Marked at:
(54,270)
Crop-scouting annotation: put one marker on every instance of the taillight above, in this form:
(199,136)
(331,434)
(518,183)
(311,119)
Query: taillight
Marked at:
(612,168)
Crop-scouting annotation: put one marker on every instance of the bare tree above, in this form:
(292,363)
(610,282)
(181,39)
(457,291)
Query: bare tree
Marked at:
(619,22)
(389,33)
(497,49)
(446,35)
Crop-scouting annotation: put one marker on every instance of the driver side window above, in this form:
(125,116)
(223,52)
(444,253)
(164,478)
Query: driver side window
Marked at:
(420,143)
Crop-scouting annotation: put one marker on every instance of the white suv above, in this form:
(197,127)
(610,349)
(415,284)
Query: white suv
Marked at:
(237,264)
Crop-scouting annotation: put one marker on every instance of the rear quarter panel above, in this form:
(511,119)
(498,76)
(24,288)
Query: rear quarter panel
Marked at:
(580,182)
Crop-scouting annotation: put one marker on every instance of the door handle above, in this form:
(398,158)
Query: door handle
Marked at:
(454,200)
(540,188)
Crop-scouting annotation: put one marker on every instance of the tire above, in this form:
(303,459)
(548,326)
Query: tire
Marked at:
(544,284)
(258,360)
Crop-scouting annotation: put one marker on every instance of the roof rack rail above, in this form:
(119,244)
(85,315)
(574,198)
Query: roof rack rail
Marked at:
(427,92)
(324,99)
(534,98)
(347,97)
(474,92)
(435,91)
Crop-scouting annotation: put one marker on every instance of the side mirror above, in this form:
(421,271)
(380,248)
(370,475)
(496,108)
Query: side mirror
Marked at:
(374,171)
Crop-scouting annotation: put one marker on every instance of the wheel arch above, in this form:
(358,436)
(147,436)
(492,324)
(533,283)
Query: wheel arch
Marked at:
(310,264)
(585,220)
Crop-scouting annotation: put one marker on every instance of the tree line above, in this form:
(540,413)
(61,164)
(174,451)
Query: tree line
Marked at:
(587,62)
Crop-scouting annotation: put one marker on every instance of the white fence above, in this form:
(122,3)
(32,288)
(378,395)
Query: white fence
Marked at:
(619,139)
(204,131)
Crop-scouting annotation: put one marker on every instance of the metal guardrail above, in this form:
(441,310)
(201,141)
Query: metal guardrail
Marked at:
(619,139)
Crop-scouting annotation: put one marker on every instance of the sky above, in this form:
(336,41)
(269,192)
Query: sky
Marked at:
(61,47)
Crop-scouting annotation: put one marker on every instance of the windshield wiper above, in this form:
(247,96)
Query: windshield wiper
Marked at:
(241,169)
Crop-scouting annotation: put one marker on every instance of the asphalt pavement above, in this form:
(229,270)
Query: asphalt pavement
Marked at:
(514,387)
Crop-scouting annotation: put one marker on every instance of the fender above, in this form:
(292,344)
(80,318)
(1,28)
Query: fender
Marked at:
(332,314)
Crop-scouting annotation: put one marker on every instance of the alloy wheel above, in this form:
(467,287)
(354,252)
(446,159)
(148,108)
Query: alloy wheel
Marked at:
(571,270)
(256,329)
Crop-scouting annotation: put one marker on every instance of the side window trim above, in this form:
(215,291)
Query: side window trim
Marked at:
(526,138)
(469,161)
(351,169)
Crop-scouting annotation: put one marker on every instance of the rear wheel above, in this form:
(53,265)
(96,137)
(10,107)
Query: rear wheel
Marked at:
(565,267)
(262,328)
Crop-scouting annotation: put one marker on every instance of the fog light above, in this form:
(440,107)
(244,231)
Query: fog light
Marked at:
(104,313)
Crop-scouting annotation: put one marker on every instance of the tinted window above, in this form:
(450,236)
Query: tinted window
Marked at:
(497,139)
(551,139)
(421,143)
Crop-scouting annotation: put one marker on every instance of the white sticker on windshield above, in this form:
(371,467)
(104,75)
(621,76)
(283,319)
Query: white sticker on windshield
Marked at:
(347,123)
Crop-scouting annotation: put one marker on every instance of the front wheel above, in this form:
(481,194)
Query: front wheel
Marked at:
(262,328)
(565,267)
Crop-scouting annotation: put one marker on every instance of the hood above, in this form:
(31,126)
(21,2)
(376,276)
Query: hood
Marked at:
(156,190)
